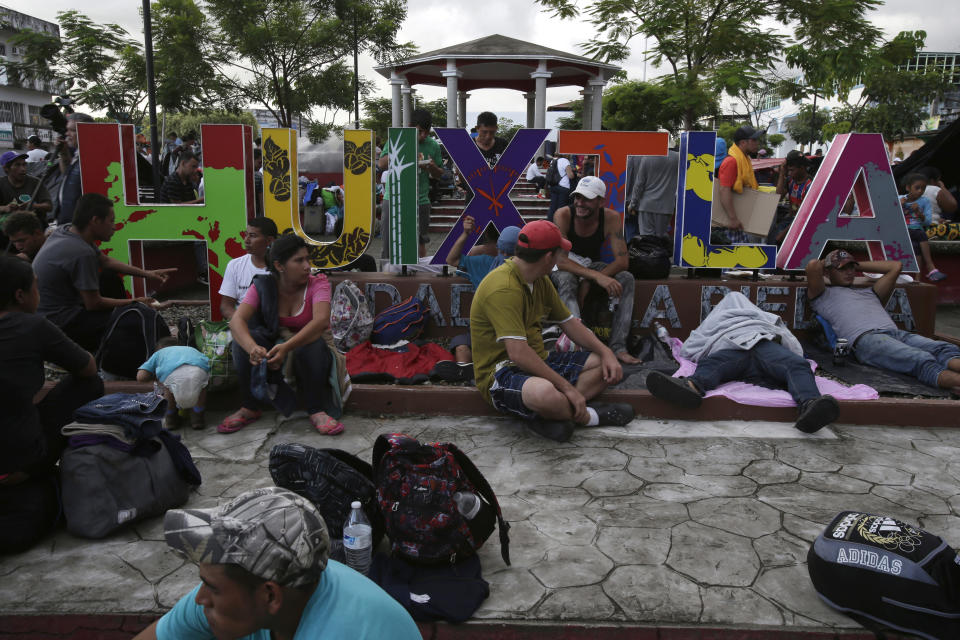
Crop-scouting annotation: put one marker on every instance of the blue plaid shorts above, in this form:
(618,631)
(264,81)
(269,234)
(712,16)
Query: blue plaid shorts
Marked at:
(506,394)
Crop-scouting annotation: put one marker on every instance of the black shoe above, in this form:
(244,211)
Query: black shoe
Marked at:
(677,391)
(816,414)
(455,372)
(558,430)
(615,414)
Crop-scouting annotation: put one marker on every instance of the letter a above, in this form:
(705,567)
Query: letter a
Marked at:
(856,161)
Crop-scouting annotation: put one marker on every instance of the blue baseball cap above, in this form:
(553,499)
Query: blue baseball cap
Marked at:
(507,242)
(10,156)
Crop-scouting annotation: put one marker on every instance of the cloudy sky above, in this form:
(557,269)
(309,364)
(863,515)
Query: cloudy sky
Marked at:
(432,24)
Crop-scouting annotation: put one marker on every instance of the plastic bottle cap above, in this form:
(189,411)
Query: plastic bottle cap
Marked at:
(355,504)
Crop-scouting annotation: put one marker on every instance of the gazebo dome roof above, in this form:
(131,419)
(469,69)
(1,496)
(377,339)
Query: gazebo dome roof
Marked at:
(498,62)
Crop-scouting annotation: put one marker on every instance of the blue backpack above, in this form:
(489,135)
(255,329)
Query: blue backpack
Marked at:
(403,321)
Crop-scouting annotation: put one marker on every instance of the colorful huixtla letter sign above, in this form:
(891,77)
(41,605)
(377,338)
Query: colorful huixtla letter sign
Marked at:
(692,246)
(613,148)
(401,191)
(491,187)
(856,161)
(281,194)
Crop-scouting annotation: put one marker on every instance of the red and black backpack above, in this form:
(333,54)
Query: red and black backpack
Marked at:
(415,487)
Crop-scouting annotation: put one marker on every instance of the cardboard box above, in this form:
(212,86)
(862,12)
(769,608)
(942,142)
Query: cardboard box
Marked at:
(755,209)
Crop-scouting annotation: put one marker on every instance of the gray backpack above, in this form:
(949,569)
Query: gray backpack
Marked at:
(104,488)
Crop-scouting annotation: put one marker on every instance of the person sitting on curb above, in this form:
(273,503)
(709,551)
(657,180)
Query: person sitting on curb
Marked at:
(265,573)
(513,371)
(289,302)
(30,439)
(589,227)
(476,267)
(858,314)
(240,271)
(69,265)
(739,341)
(26,234)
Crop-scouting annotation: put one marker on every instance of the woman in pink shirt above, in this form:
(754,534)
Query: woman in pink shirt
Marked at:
(293,303)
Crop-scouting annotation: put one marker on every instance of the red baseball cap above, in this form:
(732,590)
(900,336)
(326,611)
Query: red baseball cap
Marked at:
(542,234)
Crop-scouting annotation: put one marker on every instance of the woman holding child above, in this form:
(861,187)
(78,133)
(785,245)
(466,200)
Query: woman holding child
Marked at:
(30,440)
(281,325)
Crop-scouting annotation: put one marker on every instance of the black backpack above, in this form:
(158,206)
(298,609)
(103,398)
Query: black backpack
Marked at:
(415,487)
(649,257)
(130,339)
(888,575)
(553,174)
(331,479)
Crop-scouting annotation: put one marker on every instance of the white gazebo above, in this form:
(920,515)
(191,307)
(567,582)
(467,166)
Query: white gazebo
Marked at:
(498,62)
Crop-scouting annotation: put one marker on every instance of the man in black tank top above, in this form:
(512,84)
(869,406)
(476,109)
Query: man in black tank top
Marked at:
(590,227)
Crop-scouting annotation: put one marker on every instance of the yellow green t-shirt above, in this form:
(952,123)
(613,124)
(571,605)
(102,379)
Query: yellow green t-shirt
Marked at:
(506,306)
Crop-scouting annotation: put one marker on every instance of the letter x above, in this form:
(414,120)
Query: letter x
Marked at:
(491,187)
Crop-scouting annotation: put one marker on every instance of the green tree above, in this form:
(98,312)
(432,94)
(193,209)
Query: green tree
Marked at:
(705,46)
(186,60)
(378,115)
(186,121)
(99,65)
(640,106)
(506,127)
(808,126)
(574,121)
(290,55)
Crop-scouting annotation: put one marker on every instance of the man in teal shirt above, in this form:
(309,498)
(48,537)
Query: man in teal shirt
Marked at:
(428,162)
(265,573)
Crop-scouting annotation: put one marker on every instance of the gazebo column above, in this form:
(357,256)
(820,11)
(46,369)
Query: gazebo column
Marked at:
(540,76)
(531,108)
(462,109)
(586,115)
(396,103)
(407,92)
(451,74)
(597,112)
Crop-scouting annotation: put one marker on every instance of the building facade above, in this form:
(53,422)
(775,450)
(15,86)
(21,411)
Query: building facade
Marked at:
(21,100)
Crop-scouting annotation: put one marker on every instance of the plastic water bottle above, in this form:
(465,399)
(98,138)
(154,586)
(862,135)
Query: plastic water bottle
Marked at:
(467,503)
(663,336)
(358,539)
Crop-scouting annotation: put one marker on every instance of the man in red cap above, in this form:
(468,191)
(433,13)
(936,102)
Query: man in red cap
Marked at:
(513,371)
(858,314)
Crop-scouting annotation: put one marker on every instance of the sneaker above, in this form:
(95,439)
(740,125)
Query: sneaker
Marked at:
(171,421)
(677,391)
(615,414)
(198,420)
(455,372)
(557,430)
(816,414)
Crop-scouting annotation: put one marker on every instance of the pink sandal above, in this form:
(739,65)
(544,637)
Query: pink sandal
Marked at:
(237,421)
(328,426)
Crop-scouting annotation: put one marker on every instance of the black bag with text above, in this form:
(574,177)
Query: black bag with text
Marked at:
(888,575)
(553,174)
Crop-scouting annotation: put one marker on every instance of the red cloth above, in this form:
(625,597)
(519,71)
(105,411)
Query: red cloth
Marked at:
(365,358)
(727,175)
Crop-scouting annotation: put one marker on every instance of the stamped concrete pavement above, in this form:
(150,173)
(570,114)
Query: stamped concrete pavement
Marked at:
(656,523)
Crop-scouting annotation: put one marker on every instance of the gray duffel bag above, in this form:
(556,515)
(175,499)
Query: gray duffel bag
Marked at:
(104,488)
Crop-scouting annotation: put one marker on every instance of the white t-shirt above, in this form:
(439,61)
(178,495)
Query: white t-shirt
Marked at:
(36,155)
(931,193)
(239,276)
(562,164)
(533,171)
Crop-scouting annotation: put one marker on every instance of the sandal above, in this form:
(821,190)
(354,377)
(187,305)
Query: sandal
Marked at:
(936,275)
(238,420)
(326,425)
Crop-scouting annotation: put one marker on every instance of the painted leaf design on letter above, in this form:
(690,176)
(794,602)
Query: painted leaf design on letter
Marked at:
(276,163)
(356,159)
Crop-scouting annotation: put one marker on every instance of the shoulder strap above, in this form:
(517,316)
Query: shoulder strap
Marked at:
(487,492)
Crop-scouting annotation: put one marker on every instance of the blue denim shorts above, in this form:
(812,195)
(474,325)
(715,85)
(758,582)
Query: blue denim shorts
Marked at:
(506,394)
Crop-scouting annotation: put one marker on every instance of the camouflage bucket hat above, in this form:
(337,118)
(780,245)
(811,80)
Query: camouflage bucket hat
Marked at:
(273,533)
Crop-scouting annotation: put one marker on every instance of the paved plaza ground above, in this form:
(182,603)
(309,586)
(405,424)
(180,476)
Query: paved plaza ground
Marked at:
(656,523)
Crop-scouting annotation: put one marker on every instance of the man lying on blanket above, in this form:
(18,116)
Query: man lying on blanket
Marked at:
(739,341)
